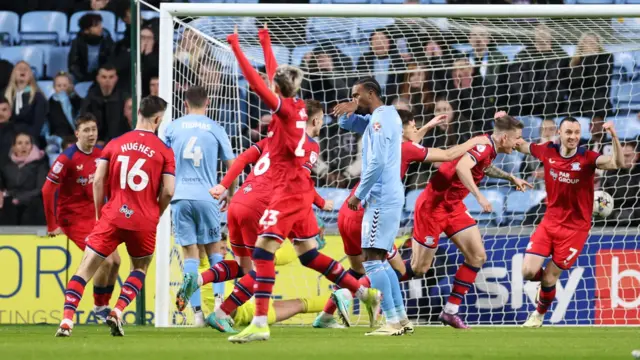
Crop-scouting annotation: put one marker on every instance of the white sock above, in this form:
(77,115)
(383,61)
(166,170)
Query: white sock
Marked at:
(118,313)
(221,314)
(450,308)
(537,313)
(259,321)
(200,280)
(362,293)
(67,322)
(325,316)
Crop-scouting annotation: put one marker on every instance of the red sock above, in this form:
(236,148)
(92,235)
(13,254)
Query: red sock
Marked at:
(102,295)
(330,306)
(465,277)
(330,268)
(130,289)
(408,273)
(265,279)
(242,292)
(547,294)
(72,296)
(223,271)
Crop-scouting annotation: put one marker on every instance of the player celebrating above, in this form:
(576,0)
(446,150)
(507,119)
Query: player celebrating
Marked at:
(140,169)
(199,143)
(290,212)
(245,211)
(569,173)
(73,173)
(440,208)
(350,222)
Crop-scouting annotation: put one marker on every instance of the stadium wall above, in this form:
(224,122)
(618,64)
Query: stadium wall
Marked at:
(602,289)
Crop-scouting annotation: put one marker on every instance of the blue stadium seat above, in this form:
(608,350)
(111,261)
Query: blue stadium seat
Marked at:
(368,25)
(624,64)
(44,26)
(121,28)
(592,2)
(393,1)
(299,53)
(531,129)
(108,22)
(9,26)
(336,29)
(441,2)
(47,87)
(410,200)
(320,1)
(31,54)
(151,14)
(628,95)
(243,1)
(224,25)
(518,203)
(627,127)
(83,88)
(510,50)
(206,1)
(351,1)
(510,163)
(495,197)
(339,196)
(463,48)
(569,49)
(585,125)
(56,60)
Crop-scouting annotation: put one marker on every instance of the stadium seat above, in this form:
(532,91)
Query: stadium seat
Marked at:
(495,197)
(336,29)
(206,1)
(393,1)
(243,1)
(569,49)
(83,88)
(44,26)
(592,2)
(149,14)
(510,50)
(121,28)
(354,51)
(339,196)
(47,87)
(628,95)
(108,22)
(299,52)
(368,25)
(585,125)
(440,2)
(351,1)
(531,129)
(9,27)
(510,163)
(224,25)
(320,1)
(56,60)
(518,203)
(410,200)
(627,127)
(463,48)
(31,54)
(624,65)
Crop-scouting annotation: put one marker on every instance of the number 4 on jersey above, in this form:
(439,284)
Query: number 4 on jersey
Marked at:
(193,152)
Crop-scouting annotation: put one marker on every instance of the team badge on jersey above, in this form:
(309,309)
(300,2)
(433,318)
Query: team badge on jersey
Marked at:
(126,211)
(313,157)
(575,166)
(481,148)
(79,167)
(247,189)
(57,167)
(377,126)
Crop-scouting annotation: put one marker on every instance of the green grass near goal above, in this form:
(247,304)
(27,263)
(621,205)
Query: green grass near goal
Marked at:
(95,343)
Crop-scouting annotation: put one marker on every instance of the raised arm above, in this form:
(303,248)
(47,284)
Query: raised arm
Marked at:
(355,123)
(252,76)
(269,59)
(439,155)
(616,159)
(494,172)
(430,125)
(102,170)
(463,170)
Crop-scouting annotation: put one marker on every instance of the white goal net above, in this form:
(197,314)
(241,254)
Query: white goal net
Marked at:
(539,69)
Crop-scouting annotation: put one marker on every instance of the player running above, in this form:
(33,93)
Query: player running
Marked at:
(569,173)
(245,211)
(139,169)
(199,144)
(350,221)
(440,208)
(289,213)
(72,176)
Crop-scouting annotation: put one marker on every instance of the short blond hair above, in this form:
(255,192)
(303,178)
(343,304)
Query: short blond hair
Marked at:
(288,78)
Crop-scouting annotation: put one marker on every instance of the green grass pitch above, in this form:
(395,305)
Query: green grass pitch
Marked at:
(95,343)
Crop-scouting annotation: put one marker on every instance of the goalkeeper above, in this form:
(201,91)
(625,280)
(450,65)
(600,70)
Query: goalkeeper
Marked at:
(279,310)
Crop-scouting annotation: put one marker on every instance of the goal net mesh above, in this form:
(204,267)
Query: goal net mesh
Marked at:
(539,70)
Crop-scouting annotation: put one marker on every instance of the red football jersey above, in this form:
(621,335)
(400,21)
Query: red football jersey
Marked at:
(410,153)
(287,151)
(569,183)
(446,180)
(257,186)
(74,171)
(137,161)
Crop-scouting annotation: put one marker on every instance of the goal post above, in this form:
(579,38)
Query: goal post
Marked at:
(545,62)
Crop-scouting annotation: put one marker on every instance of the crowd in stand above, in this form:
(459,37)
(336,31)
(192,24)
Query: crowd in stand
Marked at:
(421,72)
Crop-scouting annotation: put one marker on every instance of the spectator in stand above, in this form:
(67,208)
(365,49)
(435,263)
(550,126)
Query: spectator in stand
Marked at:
(537,77)
(21,179)
(27,101)
(106,102)
(436,56)
(128,111)
(467,95)
(92,48)
(6,67)
(454,131)
(260,129)
(149,59)
(624,186)
(415,88)
(64,106)
(383,62)
(400,103)
(8,130)
(491,66)
(590,72)
(532,168)
(154,86)
(326,82)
